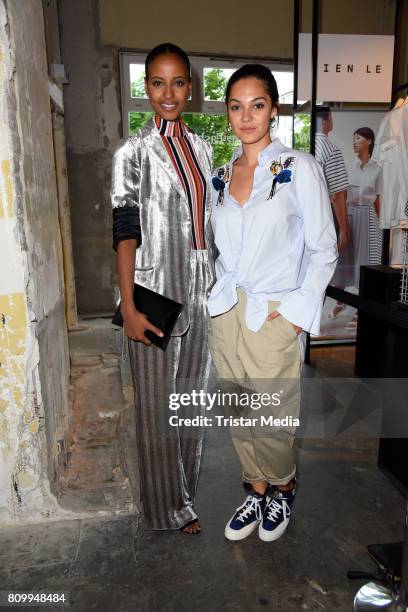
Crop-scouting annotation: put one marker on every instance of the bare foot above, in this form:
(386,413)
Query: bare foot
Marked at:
(287,487)
(192,527)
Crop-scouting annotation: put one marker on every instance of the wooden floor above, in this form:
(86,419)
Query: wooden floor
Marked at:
(333,361)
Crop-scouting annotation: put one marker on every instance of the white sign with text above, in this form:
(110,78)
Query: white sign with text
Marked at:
(350,68)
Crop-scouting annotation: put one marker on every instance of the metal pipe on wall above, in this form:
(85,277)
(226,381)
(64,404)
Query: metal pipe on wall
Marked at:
(64,220)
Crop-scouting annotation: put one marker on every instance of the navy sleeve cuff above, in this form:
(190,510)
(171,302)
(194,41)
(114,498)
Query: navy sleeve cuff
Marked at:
(126,225)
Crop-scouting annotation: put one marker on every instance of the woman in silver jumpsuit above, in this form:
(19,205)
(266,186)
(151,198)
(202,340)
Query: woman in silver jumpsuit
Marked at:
(161,207)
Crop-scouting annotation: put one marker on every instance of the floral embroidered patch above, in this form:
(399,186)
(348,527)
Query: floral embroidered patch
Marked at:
(219,181)
(281,171)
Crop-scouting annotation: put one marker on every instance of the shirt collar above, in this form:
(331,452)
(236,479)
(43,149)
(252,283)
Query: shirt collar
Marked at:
(266,156)
(371,162)
(167,128)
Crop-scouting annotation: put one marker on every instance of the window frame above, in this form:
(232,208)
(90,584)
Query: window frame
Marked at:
(196,104)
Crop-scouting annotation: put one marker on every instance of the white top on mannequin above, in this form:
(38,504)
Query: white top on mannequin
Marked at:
(365,183)
(391,153)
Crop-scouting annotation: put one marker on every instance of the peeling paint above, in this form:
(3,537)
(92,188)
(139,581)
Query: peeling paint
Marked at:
(17,396)
(32,389)
(6,207)
(25,479)
(1,81)
(17,492)
(13,333)
(35,426)
(13,342)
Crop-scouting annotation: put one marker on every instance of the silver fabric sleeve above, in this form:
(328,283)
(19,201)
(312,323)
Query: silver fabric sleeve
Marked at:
(126,174)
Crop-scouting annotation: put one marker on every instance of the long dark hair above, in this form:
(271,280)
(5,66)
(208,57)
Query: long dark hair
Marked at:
(367,133)
(258,72)
(166,49)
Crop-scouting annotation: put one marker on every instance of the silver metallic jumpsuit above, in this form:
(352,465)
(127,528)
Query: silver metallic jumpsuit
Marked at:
(162,201)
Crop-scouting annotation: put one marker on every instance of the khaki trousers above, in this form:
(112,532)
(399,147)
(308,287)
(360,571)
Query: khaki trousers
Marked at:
(264,362)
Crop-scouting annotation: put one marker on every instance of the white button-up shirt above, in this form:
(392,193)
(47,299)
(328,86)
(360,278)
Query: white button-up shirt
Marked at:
(391,152)
(365,183)
(282,249)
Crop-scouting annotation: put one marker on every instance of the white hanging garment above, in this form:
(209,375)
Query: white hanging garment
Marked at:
(391,153)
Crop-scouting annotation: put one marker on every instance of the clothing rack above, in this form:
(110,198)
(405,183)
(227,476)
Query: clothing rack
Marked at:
(404,278)
(404,262)
(404,242)
(401,87)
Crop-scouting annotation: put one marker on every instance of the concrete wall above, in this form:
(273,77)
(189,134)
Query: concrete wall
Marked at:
(93,129)
(264,29)
(52,36)
(34,361)
(351,17)
(362,17)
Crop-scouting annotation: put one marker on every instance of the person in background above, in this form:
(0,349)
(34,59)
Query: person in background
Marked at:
(161,205)
(331,159)
(363,204)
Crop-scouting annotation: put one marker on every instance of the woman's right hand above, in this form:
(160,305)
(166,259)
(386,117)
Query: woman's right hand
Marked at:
(135,325)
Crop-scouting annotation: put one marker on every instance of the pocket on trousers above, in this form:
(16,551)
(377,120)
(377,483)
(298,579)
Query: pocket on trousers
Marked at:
(284,330)
(289,327)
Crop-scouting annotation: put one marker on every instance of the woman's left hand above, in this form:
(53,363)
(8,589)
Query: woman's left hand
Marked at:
(275,314)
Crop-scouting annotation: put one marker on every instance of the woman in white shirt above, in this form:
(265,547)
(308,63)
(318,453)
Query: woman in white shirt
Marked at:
(363,208)
(363,201)
(274,230)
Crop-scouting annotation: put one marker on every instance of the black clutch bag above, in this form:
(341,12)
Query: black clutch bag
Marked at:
(160,310)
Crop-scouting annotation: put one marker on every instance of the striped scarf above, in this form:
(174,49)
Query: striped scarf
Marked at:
(176,138)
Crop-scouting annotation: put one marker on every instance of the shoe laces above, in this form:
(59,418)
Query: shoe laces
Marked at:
(275,507)
(250,505)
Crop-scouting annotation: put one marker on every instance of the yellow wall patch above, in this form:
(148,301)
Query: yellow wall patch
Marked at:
(13,343)
(13,322)
(6,208)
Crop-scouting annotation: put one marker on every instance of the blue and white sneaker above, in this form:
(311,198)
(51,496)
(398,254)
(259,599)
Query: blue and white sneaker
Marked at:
(246,518)
(276,514)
